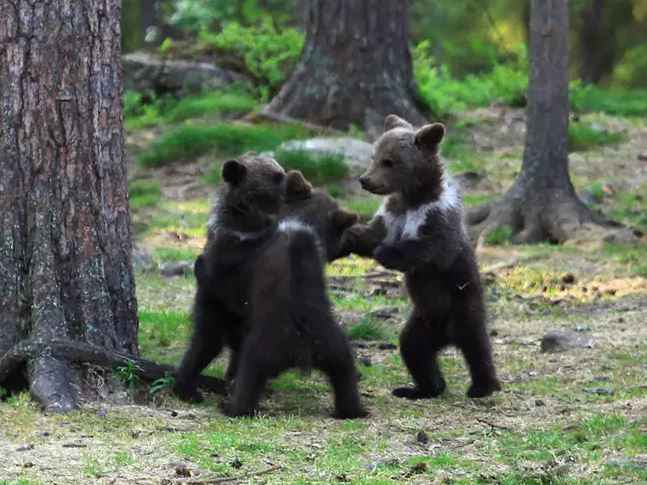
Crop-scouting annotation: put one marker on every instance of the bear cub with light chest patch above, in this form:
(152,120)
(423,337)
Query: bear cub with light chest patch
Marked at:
(260,286)
(419,230)
(290,319)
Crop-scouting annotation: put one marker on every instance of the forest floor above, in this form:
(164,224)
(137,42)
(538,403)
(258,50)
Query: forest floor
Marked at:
(579,415)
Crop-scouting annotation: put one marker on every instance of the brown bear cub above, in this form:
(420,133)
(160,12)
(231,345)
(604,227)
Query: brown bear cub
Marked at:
(244,220)
(419,230)
(290,318)
(245,239)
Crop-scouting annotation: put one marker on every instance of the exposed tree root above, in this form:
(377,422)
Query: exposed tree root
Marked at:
(554,217)
(55,382)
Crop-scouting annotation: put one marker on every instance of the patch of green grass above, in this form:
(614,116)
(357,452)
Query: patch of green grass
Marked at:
(367,329)
(189,141)
(635,257)
(161,328)
(93,468)
(175,254)
(584,137)
(335,191)
(210,104)
(476,200)
(499,236)
(318,170)
(619,102)
(365,207)
(144,193)
(123,459)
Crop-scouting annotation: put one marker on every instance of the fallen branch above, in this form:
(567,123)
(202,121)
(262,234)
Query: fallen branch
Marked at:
(81,352)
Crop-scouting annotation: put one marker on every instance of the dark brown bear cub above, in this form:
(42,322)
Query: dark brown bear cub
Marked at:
(243,222)
(419,230)
(290,319)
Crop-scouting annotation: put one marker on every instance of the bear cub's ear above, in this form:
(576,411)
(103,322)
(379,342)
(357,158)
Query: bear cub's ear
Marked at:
(343,219)
(233,172)
(429,136)
(394,121)
(297,187)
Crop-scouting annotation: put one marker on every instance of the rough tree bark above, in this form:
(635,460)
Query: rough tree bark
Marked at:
(542,204)
(67,293)
(355,67)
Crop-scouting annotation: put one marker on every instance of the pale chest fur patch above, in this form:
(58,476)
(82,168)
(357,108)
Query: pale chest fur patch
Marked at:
(406,226)
(290,226)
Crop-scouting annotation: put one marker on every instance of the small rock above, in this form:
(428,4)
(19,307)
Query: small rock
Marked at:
(236,463)
(637,462)
(568,278)
(494,332)
(101,413)
(364,360)
(342,478)
(28,464)
(418,468)
(176,268)
(610,291)
(583,327)
(422,438)
(600,391)
(42,434)
(561,341)
(385,313)
(539,403)
(26,447)
(642,157)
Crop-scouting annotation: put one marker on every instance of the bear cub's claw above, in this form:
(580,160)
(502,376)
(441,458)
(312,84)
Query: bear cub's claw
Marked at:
(484,389)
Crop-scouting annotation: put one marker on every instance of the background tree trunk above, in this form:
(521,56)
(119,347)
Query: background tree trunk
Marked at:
(542,203)
(355,67)
(597,43)
(65,269)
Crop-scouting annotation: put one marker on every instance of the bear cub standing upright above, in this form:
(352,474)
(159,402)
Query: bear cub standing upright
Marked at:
(244,219)
(419,230)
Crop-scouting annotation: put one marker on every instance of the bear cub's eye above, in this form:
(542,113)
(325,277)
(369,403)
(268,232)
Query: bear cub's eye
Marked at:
(388,163)
(277,178)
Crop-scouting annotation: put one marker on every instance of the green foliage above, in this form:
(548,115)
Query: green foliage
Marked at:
(617,102)
(335,191)
(210,104)
(318,169)
(3,393)
(175,254)
(142,111)
(163,327)
(161,384)
(583,137)
(631,71)
(367,329)
(144,193)
(128,374)
(499,236)
(447,95)
(268,53)
(197,15)
(365,207)
(189,141)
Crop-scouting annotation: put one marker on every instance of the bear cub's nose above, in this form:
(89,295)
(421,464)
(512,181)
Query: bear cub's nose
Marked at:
(363,181)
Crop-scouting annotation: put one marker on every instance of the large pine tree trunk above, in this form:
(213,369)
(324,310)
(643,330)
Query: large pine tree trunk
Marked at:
(355,67)
(65,269)
(542,203)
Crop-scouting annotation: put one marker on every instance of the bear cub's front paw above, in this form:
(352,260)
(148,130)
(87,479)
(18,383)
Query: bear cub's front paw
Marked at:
(390,258)
(484,389)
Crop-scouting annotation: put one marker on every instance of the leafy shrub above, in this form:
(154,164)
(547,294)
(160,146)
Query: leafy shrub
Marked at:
(611,101)
(447,95)
(317,169)
(192,140)
(267,52)
(212,103)
(367,329)
(631,71)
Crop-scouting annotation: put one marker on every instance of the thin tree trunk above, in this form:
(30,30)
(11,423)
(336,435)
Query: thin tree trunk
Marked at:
(542,203)
(355,67)
(597,44)
(65,269)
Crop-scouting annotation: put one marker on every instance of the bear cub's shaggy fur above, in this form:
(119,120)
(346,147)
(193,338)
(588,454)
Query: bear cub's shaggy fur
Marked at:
(244,220)
(251,260)
(419,230)
(290,318)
